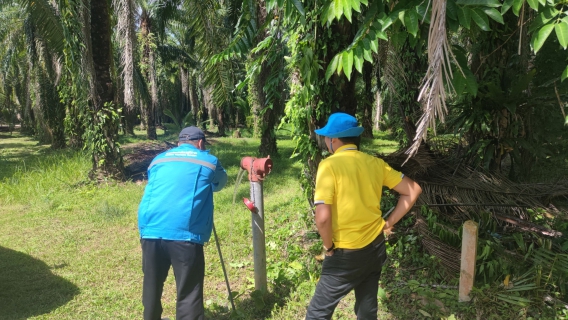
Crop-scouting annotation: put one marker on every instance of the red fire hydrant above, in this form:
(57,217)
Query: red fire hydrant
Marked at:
(257,171)
(257,168)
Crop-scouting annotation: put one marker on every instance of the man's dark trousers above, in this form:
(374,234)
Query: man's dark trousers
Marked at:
(347,270)
(189,269)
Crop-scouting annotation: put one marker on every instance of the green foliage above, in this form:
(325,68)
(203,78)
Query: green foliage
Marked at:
(180,121)
(498,117)
(366,41)
(336,9)
(515,268)
(96,134)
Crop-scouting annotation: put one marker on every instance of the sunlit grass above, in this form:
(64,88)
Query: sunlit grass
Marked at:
(87,234)
(72,247)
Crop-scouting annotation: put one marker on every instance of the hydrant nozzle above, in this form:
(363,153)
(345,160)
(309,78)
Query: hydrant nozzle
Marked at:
(257,168)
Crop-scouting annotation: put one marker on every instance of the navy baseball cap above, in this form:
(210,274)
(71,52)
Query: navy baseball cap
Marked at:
(340,125)
(191,133)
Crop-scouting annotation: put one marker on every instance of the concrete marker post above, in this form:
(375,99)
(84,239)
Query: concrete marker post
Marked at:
(468,256)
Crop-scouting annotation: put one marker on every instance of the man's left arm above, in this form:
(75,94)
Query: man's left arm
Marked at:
(409,191)
(220,178)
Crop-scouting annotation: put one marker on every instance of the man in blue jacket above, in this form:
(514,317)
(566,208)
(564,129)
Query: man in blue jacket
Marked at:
(175,219)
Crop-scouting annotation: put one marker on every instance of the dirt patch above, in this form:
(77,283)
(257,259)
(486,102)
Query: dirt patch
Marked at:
(138,156)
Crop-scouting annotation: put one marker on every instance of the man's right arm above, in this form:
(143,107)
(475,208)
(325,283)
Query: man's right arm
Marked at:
(409,191)
(220,178)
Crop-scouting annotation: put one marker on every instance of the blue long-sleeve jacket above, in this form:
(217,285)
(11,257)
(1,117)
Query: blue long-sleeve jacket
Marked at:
(178,200)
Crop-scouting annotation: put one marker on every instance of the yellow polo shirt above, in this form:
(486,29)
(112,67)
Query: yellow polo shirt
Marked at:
(352,182)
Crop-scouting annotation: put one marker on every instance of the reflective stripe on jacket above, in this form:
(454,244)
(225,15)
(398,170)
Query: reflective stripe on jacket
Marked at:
(178,200)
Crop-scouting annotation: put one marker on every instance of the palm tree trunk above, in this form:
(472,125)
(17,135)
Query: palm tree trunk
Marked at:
(127,40)
(208,102)
(183,73)
(256,85)
(344,89)
(148,60)
(367,121)
(106,160)
(29,117)
(256,99)
(193,99)
(378,110)
(142,106)
(154,94)
(220,121)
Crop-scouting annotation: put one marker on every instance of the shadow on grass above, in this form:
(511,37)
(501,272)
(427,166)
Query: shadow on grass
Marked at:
(15,145)
(28,288)
(256,306)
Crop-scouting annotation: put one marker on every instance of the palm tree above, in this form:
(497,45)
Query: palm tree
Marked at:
(211,37)
(177,51)
(107,160)
(29,43)
(126,39)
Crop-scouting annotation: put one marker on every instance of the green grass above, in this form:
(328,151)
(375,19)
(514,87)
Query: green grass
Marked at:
(69,249)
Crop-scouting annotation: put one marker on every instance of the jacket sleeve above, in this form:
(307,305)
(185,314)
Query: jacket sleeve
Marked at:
(220,179)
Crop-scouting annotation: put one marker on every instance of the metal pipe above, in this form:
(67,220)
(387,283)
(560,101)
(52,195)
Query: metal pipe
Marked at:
(258,238)
(257,169)
(223,266)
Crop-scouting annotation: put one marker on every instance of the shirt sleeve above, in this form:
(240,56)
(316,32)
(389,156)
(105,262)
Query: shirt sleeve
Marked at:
(391,177)
(220,179)
(325,185)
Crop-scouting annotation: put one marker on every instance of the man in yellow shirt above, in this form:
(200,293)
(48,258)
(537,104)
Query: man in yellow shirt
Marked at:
(348,192)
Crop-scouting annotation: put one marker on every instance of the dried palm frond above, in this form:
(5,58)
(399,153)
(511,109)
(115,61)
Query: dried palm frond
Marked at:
(390,64)
(432,93)
(448,255)
(462,191)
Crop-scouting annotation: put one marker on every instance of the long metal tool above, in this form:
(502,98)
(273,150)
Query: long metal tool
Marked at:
(224,270)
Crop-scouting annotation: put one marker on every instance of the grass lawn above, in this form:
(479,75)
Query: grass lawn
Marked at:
(69,249)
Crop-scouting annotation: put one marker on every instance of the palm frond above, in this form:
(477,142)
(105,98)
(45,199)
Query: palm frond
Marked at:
(209,40)
(246,32)
(432,93)
(174,53)
(459,190)
(393,74)
(44,17)
(162,13)
(220,77)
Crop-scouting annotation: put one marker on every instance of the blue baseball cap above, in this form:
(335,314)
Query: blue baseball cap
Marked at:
(340,125)
(191,133)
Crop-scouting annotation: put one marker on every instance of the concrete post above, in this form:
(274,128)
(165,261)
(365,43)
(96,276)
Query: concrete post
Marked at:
(468,255)
(258,238)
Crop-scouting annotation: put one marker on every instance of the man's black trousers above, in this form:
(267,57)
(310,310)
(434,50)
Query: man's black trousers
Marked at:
(189,269)
(345,271)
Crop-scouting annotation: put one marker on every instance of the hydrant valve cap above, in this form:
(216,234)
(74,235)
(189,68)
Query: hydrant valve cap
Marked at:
(249,204)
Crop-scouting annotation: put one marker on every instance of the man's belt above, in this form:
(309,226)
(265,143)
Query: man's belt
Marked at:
(380,238)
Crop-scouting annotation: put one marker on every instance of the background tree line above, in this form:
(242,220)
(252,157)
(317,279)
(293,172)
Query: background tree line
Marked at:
(75,72)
